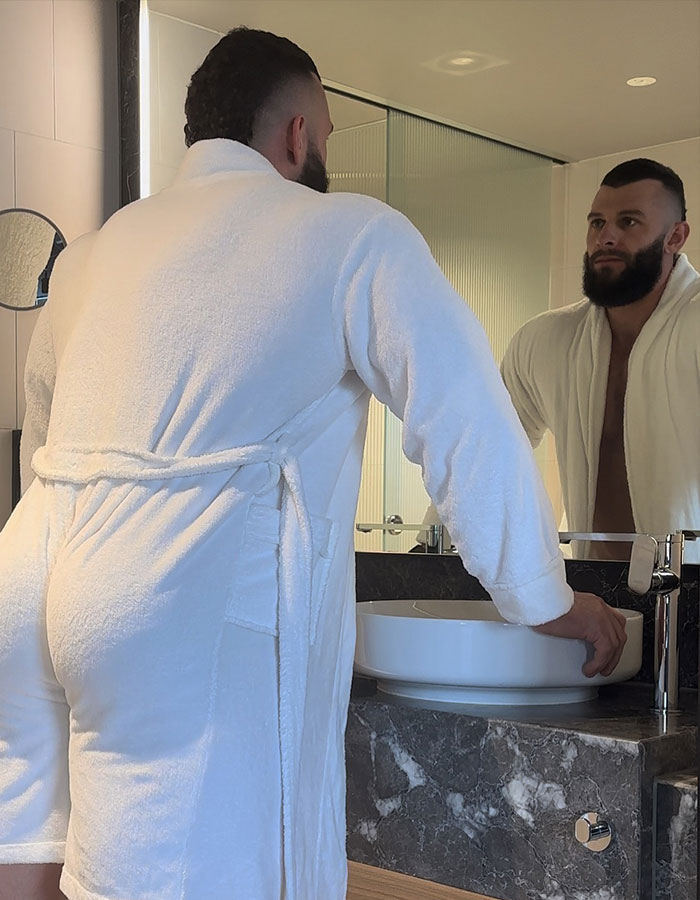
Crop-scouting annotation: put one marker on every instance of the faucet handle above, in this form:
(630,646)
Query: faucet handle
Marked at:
(643,562)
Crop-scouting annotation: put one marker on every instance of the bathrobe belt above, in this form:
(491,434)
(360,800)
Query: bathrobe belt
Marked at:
(77,465)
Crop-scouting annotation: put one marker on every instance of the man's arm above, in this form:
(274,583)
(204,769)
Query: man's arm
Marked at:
(419,348)
(421,351)
(516,371)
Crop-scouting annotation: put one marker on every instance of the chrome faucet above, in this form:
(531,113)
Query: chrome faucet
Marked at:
(655,567)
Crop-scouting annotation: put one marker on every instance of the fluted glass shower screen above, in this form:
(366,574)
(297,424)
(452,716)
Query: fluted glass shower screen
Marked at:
(484,209)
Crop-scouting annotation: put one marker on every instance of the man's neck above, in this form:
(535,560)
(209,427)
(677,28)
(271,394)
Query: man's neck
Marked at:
(626,322)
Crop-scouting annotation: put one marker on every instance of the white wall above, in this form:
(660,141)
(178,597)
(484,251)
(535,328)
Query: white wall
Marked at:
(58,148)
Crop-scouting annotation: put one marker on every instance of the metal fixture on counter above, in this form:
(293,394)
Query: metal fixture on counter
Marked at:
(593,832)
(394,525)
(394,519)
(655,568)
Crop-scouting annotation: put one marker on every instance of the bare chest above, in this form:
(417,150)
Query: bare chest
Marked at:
(613,421)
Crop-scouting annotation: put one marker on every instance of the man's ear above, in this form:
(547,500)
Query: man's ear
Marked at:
(677,237)
(296,141)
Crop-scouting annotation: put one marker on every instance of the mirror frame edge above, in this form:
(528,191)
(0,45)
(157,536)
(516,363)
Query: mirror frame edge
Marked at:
(33,212)
(128,12)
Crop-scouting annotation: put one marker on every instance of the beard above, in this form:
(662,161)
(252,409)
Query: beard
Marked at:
(313,173)
(642,271)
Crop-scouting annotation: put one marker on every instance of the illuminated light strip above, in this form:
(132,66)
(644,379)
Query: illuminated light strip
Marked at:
(144,101)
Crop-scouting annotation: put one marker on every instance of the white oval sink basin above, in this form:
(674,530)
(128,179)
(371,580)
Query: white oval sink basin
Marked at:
(463,651)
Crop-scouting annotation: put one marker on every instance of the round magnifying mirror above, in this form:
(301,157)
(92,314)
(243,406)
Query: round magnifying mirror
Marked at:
(29,245)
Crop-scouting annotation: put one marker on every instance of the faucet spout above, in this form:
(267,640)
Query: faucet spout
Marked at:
(656,567)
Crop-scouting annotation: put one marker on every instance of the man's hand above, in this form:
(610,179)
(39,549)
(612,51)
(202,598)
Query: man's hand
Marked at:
(592,620)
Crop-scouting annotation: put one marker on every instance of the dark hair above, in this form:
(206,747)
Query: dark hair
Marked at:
(639,169)
(235,81)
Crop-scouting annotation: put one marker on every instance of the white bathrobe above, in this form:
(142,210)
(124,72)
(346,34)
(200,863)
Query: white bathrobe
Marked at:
(197,392)
(556,370)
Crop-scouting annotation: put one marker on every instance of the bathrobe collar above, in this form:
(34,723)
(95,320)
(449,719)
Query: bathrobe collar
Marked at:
(682,283)
(220,155)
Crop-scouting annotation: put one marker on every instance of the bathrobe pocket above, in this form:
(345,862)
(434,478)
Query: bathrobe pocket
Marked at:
(254,597)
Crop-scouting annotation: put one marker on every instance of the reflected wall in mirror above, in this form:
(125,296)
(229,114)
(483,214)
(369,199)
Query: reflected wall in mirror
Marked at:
(614,378)
(29,245)
(507,226)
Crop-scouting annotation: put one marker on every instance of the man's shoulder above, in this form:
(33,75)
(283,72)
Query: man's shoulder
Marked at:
(555,323)
(75,252)
(361,210)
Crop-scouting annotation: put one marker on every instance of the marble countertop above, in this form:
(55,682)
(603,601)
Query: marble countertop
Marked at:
(621,712)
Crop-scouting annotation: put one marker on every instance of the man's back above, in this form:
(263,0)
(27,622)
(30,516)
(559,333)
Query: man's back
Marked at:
(179,294)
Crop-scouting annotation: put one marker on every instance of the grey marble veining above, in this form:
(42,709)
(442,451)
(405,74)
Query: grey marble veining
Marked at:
(406,576)
(129,157)
(486,800)
(676,841)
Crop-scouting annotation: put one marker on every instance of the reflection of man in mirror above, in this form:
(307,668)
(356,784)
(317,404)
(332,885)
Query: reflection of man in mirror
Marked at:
(177,583)
(616,376)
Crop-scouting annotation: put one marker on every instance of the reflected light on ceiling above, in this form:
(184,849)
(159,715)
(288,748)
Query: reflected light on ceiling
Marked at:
(463,62)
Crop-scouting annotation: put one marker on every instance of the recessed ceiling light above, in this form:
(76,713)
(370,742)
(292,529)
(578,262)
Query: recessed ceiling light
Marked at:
(463,62)
(641,81)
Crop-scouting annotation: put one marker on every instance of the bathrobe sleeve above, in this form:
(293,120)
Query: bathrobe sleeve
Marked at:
(39,380)
(418,347)
(522,387)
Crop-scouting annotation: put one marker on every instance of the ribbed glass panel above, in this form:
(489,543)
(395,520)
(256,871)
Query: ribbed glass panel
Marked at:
(357,163)
(484,210)
(370,505)
(357,160)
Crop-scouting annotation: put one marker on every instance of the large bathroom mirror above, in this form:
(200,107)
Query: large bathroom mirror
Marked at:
(482,122)
(29,245)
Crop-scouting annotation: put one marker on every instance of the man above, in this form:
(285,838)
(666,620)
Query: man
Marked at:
(176,588)
(615,376)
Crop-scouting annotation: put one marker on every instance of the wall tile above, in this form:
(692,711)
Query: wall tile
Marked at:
(692,250)
(7,168)
(161,177)
(5,475)
(572,285)
(25,326)
(8,392)
(558,215)
(177,49)
(556,287)
(581,189)
(87,101)
(63,181)
(26,66)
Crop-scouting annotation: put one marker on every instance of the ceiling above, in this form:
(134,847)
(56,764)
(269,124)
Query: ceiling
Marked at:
(548,75)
